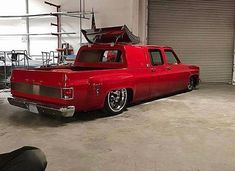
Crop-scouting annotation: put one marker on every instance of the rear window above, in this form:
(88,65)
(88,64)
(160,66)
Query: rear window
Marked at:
(101,56)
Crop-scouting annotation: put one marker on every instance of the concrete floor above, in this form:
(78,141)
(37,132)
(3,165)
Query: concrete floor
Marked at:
(193,131)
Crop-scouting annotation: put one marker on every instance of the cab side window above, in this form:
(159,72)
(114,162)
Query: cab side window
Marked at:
(171,58)
(155,57)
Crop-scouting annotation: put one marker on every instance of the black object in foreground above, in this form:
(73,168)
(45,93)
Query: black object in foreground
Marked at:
(23,159)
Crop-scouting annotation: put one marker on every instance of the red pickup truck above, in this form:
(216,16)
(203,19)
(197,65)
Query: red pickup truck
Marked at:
(104,76)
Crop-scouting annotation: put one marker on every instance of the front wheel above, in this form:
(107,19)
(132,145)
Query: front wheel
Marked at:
(115,101)
(191,84)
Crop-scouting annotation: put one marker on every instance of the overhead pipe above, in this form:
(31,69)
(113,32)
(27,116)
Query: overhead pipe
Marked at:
(37,34)
(47,14)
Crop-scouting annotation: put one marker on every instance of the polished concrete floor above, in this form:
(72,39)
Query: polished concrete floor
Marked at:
(192,131)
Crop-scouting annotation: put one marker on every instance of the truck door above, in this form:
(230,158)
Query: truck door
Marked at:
(158,73)
(178,75)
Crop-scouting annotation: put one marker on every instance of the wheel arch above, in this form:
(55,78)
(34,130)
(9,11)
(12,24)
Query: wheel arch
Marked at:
(112,82)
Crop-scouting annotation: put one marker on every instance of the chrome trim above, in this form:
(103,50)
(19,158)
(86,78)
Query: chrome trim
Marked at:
(65,111)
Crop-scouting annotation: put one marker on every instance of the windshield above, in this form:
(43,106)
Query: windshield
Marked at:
(101,56)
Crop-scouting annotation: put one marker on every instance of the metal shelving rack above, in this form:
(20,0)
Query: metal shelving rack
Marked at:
(16,58)
(81,14)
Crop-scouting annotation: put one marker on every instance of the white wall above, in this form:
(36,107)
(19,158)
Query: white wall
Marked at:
(107,13)
(11,26)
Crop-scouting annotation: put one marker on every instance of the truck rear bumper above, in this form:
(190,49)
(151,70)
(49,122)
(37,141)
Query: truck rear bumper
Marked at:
(65,111)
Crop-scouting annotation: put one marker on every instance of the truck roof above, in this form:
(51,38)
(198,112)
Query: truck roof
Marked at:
(152,46)
(125,44)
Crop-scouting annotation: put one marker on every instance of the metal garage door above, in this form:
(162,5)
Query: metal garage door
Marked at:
(200,31)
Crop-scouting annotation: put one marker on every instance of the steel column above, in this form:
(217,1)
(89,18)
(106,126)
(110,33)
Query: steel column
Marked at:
(27,27)
(233,69)
(80,22)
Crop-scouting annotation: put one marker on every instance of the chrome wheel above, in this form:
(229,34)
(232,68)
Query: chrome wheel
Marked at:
(117,100)
(191,84)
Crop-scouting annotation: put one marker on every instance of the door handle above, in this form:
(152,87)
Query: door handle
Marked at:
(153,69)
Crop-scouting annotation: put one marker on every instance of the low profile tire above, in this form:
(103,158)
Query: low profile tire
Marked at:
(116,101)
(191,84)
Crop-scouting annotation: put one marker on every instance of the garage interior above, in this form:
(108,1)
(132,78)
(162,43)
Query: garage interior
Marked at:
(189,131)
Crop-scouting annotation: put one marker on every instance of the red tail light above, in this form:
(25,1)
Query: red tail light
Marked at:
(67,93)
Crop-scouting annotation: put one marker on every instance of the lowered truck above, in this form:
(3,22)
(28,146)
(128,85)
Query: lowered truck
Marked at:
(108,73)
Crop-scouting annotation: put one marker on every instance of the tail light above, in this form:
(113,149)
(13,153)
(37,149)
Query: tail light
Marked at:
(67,93)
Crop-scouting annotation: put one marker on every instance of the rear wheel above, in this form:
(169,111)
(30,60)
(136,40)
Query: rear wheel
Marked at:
(116,101)
(191,84)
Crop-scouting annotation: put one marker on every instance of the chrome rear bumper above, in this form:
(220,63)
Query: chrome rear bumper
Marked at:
(65,111)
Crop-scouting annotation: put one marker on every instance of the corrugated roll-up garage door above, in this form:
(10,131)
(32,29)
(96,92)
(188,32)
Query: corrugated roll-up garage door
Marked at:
(200,31)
